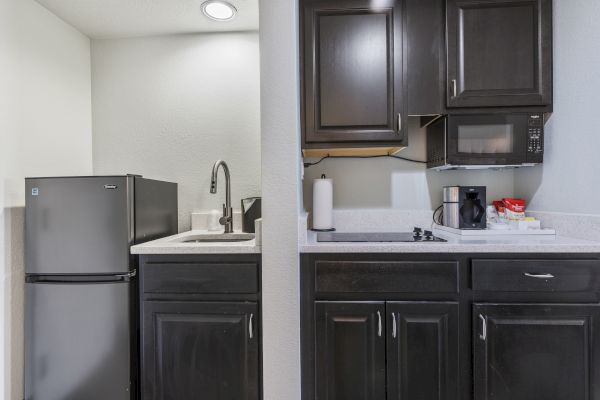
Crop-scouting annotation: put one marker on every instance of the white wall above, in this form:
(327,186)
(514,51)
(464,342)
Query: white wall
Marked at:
(45,126)
(281,190)
(168,107)
(569,180)
(7,126)
(397,184)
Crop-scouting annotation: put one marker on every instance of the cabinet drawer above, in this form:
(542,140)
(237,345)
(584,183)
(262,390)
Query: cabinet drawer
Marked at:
(386,277)
(200,278)
(536,275)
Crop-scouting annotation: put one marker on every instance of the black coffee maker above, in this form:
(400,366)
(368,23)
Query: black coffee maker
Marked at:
(465,207)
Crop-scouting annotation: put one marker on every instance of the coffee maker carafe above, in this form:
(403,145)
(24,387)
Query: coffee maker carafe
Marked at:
(465,207)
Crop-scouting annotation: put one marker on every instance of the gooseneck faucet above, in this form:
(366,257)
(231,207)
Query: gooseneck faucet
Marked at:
(227,218)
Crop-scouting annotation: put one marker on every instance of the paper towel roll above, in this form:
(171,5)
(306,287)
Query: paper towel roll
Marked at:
(323,203)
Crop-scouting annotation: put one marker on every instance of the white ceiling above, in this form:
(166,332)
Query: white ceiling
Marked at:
(130,18)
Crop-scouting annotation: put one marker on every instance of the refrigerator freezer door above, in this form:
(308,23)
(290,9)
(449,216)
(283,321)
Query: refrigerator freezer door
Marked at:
(78,225)
(77,343)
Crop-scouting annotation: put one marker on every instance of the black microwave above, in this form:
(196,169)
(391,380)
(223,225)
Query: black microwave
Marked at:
(480,141)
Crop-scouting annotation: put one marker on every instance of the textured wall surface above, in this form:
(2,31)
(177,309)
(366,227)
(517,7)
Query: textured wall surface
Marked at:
(7,126)
(280,176)
(168,107)
(397,184)
(569,179)
(45,129)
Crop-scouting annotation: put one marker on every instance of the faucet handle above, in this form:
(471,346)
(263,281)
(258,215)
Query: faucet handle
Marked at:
(226,218)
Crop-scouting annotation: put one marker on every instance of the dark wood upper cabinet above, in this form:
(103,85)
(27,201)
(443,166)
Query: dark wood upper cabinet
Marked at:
(536,352)
(499,53)
(350,351)
(353,84)
(422,351)
(200,350)
(425,57)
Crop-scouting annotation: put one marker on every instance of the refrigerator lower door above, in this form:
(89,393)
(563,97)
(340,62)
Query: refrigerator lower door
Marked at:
(78,341)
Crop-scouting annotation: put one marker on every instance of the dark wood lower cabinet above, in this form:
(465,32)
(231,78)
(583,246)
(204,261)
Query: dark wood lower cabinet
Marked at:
(422,361)
(537,352)
(196,350)
(200,327)
(411,354)
(201,350)
(350,351)
(496,327)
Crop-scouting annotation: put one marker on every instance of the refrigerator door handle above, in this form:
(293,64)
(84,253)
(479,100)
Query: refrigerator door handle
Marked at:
(127,277)
(79,279)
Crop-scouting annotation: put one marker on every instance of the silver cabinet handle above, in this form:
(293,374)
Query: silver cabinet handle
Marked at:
(251,326)
(539,276)
(399,124)
(483,335)
(454,88)
(379,324)
(394,326)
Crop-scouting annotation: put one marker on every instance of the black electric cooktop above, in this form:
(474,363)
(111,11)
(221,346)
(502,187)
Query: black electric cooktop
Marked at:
(376,237)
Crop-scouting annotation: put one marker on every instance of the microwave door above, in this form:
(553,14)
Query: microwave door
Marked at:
(494,139)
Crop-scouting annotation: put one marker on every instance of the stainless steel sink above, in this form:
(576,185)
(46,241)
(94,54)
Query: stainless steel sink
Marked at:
(216,238)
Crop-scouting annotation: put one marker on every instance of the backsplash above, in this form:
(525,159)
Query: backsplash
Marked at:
(400,185)
(373,220)
(579,226)
(196,103)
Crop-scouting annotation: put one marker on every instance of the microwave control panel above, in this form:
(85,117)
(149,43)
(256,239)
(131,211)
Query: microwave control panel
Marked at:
(535,138)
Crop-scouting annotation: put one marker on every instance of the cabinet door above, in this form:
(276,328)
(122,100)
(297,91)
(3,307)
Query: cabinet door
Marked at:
(350,351)
(422,351)
(353,71)
(200,350)
(499,53)
(536,352)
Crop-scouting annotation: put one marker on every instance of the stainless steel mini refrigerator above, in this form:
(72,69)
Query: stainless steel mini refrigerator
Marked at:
(81,288)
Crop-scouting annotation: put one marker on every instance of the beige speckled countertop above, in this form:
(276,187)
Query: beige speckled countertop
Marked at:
(455,244)
(174,245)
(403,221)
(375,221)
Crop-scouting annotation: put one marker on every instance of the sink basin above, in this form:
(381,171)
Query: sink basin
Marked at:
(216,238)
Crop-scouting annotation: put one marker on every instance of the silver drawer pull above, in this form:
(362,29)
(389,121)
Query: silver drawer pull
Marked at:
(399,124)
(251,326)
(394,326)
(483,335)
(379,325)
(539,276)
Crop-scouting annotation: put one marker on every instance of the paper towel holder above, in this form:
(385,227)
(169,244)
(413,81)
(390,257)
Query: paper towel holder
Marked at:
(323,230)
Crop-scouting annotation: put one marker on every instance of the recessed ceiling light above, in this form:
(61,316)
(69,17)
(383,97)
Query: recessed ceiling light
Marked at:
(218,10)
